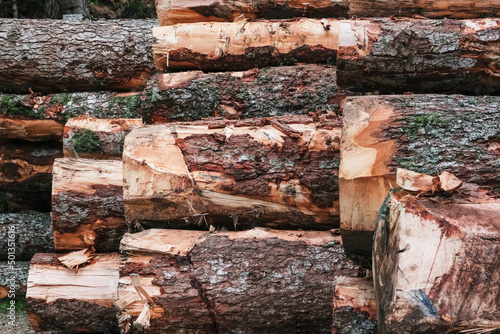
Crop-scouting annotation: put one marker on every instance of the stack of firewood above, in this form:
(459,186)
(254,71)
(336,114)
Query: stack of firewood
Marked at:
(227,174)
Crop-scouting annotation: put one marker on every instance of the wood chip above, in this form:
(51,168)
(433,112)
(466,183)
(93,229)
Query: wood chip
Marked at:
(77,259)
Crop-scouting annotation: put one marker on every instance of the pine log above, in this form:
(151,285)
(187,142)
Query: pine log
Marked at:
(256,281)
(85,55)
(13,279)
(31,130)
(422,133)
(87,137)
(456,9)
(24,234)
(271,91)
(27,201)
(61,299)
(421,56)
(182,11)
(436,265)
(243,45)
(87,204)
(277,172)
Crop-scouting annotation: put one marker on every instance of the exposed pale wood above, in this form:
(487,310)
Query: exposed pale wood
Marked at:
(233,174)
(243,45)
(449,182)
(76,259)
(416,182)
(61,299)
(235,281)
(436,265)
(32,130)
(13,279)
(87,204)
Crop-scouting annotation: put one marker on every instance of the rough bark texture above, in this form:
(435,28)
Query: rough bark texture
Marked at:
(60,299)
(422,133)
(50,55)
(277,172)
(74,7)
(244,45)
(87,137)
(271,91)
(28,233)
(87,204)
(421,56)
(182,11)
(436,265)
(257,281)
(13,279)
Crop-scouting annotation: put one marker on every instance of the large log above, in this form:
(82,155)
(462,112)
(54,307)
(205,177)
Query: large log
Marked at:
(85,55)
(182,11)
(61,299)
(436,265)
(422,133)
(244,45)
(277,172)
(87,204)
(256,281)
(421,56)
(24,234)
(13,279)
(270,91)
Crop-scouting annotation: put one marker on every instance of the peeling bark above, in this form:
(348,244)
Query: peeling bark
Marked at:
(13,280)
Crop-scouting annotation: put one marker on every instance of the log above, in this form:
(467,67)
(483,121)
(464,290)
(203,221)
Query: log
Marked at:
(87,204)
(182,11)
(457,9)
(422,133)
(436,265)
(87,137)
(13,279)
(61,299)
(228,282)
(277,172)
(31,130)
(24,234)
(244,45)
(270,91)
(28,201)
(85,56)
(421,56)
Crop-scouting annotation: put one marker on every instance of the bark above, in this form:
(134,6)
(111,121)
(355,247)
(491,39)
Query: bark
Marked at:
(244,45)
(87,137)
(27,166)
(116,56)
(28,201)
(423,133)
(257,281)
(73,7)
(277,172)
(461,9)
(87,204)
(13,280)
(436,264)
(27,233)
(421,56)
(272,91)
(60,299)
(182,11)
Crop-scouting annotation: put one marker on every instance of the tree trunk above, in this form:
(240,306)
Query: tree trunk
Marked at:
(87,137)
(436,265)
(31,130)
(182,11)
(28,233)
(421,56)
(271,91)
(461,9)
(423,133)
(85,56)
(256,281)
(13,280)
(244,45)
(87,204)
(73,7)
(61,299)
(277,172)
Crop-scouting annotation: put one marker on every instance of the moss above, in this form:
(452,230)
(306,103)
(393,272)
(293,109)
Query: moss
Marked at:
(10,105)
(86,141)
(20,305)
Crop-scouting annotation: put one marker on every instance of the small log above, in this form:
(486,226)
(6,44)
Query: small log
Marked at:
(24,234)
(423,133)
(61,299)
(182,11)
(244,45)
(232,281)
(87,137)
(436,265)
(233,174)
(85,56)
(13,279)
(421,56)
(31,130)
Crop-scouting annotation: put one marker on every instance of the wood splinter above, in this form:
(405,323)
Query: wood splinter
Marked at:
(77,259)
(143,320)
(423,183)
